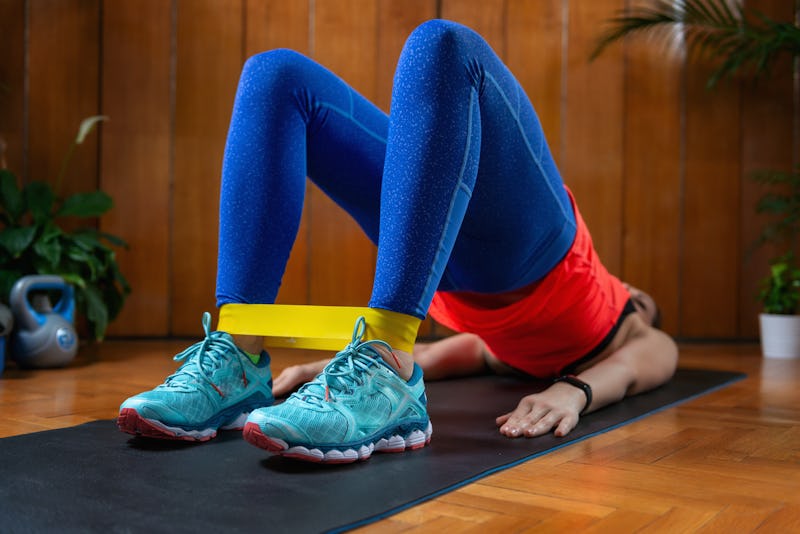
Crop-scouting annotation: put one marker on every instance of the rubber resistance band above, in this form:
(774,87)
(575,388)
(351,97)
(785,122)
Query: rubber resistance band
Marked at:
(317,327)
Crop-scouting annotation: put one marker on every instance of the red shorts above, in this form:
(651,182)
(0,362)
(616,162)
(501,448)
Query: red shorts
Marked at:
(562,318)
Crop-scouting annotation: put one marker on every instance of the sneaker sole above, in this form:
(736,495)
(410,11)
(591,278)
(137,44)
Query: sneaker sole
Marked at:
(415,440)
(131,422)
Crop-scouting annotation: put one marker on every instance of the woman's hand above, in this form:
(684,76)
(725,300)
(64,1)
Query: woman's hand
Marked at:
(556,408)
(296,375)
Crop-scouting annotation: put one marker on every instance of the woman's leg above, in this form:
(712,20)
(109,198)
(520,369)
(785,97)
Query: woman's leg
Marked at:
(292,118)
(472,199)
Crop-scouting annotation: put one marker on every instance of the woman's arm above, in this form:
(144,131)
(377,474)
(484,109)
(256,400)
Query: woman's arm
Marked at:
(646,359)
(457,355)
(296,375)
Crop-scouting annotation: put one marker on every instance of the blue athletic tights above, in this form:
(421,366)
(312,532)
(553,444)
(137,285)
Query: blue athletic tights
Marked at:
(457,186)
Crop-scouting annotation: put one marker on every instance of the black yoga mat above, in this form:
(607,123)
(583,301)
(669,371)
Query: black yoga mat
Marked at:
(94,478)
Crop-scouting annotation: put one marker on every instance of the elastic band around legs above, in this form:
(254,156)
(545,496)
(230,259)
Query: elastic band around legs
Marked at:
(317,327)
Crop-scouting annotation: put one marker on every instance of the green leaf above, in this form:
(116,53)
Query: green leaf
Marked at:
(91,204)
(114,240)
(39,197)
(10,196)
(16,240)
(87,240)
(725,32)
(49,250)
(96,311)
(87,125)
(74,279)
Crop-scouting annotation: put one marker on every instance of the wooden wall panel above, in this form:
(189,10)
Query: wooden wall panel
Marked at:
(274,24)
(12,85)
(533,36)
(659,164)
(64,52)
(135,154)
(342,262)
(396,21)
(767,143)
(487,17)
(711,260)
(653,178)
(209,60)
(593,128)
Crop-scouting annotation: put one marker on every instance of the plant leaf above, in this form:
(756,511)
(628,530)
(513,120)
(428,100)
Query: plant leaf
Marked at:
(39,197)
(49,250)
(91,204)
(96,311)
(10,195)
(87,125)
(16,240)
(114,240)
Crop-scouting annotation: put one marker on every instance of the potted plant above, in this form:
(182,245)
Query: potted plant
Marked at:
(738,39)
(780,290)
(735,37)
(33,240)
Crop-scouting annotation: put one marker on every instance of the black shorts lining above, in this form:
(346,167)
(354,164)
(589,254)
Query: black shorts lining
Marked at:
(627,310)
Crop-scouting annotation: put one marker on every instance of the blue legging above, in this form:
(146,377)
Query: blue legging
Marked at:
(457,186)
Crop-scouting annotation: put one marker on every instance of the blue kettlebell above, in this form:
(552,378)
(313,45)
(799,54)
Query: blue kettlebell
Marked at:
(44,335)
(6,326)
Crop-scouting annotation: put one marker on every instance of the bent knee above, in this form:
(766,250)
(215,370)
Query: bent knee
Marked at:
(437,37)
(273,69)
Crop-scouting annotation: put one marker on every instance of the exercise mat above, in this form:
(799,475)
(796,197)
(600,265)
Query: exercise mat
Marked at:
(94,478)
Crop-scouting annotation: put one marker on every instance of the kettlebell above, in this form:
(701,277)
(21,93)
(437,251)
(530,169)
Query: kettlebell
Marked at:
(44,335)
(6,325)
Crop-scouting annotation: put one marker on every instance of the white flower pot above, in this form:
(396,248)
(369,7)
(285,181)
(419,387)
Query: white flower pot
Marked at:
(780,335)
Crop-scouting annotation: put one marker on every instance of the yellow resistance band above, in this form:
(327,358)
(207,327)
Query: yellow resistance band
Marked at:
(317,327)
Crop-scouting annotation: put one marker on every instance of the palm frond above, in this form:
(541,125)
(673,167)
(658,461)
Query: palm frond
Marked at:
(723,30)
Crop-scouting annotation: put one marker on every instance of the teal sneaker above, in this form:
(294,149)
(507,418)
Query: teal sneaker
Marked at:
(217,386)
(357,405)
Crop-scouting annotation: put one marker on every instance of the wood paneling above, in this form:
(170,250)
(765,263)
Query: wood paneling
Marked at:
(487,17)
(767,144)
(396,21)
(209,60)
(711,262)
(342,258)
(534,34)
(593,128)
(278,24)
(135,155)
(63,75)
(12,85)
(660,165)
(653,178)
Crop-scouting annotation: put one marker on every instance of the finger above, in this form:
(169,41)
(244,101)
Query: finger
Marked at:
(499,421)
(510,425)
(541,426)
(565,426)
(519,422)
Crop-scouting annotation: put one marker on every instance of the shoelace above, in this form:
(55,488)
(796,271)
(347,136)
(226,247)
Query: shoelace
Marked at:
(345,371)
(202,358)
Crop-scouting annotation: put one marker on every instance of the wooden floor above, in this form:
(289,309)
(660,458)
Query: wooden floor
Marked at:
(727,462)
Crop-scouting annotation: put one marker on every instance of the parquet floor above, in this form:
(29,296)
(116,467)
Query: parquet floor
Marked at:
(726,462)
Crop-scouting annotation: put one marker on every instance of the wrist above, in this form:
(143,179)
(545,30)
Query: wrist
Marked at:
(574,381)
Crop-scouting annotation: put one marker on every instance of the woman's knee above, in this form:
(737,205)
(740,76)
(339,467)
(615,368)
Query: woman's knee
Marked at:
(438,38)
(274,68)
